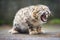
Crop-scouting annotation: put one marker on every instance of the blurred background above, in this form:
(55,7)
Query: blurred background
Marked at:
(8,9)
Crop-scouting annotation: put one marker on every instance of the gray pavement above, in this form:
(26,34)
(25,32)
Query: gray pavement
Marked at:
(52,32)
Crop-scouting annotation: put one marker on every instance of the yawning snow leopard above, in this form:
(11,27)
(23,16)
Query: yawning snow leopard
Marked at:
(29,19)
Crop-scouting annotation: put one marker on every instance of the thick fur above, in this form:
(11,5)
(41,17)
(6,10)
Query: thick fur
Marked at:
(28,19)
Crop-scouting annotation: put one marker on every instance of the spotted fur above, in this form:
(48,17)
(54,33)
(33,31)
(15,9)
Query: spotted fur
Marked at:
(28,19)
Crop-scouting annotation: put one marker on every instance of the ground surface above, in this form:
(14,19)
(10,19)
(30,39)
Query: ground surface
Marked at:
(52,32)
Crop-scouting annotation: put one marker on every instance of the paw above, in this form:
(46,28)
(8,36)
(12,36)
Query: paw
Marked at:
(12,31)
(33,32)
(43,31)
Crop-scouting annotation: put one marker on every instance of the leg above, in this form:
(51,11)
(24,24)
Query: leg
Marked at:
(33,31)
(31,28)
(39,30)
(13,31)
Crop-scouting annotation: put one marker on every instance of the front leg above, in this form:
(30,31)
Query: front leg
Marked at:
(33,31)
(40,30)
(31,28)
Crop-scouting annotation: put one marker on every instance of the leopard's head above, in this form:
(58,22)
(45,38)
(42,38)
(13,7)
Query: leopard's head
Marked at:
(42,14)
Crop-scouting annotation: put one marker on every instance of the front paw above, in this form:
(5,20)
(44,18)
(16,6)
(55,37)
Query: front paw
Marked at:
(12,31)
(41,31)
(33,32)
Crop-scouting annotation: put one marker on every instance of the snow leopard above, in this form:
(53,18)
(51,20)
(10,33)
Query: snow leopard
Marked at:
(29,19)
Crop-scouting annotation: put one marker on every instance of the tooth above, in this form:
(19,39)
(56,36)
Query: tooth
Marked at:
(46,16)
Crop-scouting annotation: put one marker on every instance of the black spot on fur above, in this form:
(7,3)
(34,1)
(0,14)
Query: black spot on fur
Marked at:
(30,25)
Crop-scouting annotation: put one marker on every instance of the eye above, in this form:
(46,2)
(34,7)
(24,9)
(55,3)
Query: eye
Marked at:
(47,12)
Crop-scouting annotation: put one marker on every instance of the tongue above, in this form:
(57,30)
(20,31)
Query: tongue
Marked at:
(43,18)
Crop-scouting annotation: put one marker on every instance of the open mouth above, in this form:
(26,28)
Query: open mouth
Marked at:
(43,17)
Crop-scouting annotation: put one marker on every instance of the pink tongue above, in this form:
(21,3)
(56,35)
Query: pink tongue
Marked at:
(43,18)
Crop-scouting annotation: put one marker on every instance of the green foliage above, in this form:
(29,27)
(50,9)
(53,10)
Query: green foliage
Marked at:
(2,22)
(54,21)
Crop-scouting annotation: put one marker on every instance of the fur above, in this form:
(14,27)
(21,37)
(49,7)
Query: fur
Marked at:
(28,19)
